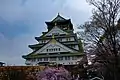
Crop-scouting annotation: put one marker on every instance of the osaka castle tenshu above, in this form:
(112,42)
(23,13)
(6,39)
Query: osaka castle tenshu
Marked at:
(59,45)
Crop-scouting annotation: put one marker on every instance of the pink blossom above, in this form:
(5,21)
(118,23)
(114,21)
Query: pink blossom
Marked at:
(53,74)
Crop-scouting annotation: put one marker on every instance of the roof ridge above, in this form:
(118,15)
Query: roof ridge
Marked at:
(58,17)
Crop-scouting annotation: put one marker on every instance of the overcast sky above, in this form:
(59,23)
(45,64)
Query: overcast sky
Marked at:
(22,20)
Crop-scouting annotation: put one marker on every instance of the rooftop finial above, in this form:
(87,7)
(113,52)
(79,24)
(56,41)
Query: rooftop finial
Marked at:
(58,14)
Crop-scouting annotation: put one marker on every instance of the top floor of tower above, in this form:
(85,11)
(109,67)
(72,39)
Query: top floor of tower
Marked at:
(59,21)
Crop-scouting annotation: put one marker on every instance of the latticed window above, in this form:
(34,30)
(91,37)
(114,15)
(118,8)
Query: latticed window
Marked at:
(60,58)
(67,58)
(54,49)
(40,59)
(60,39)
(33,60)
(74,58)
(59,49)
(47,50)
(43,41)
(55,33)
(45,59)
(53,59)
(68,39)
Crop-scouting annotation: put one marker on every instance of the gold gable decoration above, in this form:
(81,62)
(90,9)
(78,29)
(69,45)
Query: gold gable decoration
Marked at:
(55,24)
(53,36)
(53,41)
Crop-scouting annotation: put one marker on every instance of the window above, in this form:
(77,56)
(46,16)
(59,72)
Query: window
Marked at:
(68,39)
(71,62)
(74,58)
(40,59)
(47,50)
(60,58)
(67,58)
(43,41)
(55,33)
(59,49)
(60,39)
(51,49)
(45,59)
(53,59)
(33,60)
(54,49)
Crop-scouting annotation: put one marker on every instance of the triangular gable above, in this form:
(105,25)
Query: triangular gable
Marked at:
(54,47)
(55,30)
(58,18)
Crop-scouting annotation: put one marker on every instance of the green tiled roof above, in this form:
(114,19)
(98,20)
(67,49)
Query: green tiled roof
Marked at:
(50,37)
(54,55)
(35,46)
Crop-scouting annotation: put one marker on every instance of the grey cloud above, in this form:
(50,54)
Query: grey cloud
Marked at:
(33,14)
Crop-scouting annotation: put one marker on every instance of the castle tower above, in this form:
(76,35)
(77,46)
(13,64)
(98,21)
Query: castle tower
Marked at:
(58,45)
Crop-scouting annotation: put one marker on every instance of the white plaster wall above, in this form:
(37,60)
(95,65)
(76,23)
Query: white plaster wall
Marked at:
(40,41)
(55,30)
(72,39)
(65,39)
(67,62)
(64,62)
(56,45)
(76,47)
(45,41)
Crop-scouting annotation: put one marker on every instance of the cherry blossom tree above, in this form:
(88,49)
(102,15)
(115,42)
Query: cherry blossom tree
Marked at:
(53,73)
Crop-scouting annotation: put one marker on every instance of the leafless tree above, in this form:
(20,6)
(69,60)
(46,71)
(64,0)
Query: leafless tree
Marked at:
(104,34)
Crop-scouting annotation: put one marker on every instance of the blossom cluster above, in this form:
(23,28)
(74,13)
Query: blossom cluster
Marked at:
(53,73)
